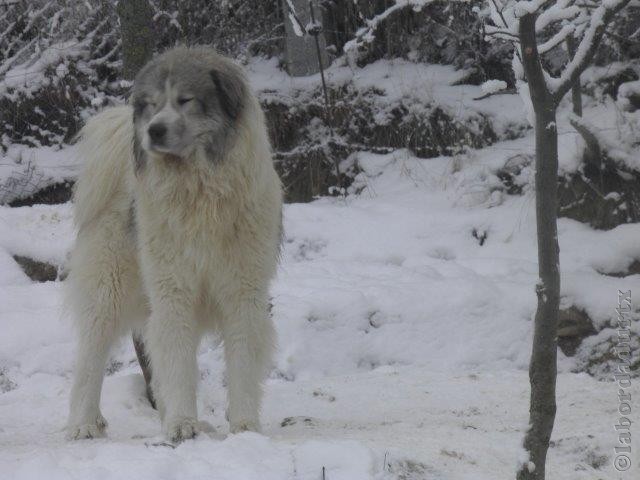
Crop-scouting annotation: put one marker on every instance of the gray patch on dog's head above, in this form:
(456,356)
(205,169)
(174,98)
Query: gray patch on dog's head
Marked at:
(138,155)
(191,98)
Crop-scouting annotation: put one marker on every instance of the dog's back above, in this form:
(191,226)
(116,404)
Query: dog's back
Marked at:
(105,148)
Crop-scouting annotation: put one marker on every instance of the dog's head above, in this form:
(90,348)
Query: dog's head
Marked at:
(185,99)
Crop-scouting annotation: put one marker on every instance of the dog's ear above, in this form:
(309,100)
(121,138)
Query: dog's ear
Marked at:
(231,91)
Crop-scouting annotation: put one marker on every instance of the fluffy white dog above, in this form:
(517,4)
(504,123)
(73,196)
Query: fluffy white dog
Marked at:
(178,209)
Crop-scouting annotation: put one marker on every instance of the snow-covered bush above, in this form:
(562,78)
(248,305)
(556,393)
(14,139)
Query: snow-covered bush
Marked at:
(60,60)
(306,139)
(430,31)
(237,28)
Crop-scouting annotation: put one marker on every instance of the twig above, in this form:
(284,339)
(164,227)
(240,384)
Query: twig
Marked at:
(506,25)
(622,39)
(315,32)
(507,91)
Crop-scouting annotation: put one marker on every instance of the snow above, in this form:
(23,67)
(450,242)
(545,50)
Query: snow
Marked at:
(403,343)
(294,21)
(30,74)
(626,91)
(398,79)
(25,170)
(493,86)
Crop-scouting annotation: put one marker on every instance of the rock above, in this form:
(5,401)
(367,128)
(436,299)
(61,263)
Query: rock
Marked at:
(52,194)
(632,269)
(573,326)
(36,270)
(612,83)
(6,384)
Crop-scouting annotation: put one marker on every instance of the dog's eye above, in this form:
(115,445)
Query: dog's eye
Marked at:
(184,100)
(142,104)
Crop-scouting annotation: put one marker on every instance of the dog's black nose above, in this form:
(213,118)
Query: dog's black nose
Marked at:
(157,132)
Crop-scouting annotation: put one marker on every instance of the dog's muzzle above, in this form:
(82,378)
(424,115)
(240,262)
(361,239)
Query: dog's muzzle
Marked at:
(157,134)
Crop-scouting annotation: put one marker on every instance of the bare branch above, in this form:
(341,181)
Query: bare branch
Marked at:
(502,34)
(506,25)
(621,39)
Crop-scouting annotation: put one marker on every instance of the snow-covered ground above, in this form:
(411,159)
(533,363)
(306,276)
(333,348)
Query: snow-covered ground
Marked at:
(403,340)
(403,347)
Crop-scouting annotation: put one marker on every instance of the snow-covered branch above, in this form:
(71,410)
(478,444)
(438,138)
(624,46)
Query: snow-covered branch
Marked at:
(558,38)
(366,35)
(579,19)
(599,19)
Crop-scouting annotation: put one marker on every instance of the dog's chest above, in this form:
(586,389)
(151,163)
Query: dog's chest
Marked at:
(201,233)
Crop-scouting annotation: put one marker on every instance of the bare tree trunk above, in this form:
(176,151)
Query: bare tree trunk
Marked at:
(543,366)
(136,24)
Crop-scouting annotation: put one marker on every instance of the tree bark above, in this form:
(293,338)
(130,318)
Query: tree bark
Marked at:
(576,91)
(543,365)
(136,24)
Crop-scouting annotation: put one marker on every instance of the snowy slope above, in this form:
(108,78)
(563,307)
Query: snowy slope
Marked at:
(403,344)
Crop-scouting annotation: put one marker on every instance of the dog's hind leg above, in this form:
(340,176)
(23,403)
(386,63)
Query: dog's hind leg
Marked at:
(102,282)
(248,335)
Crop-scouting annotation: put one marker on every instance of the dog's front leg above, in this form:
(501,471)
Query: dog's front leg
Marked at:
(95,340)
(248,335)
(172,340)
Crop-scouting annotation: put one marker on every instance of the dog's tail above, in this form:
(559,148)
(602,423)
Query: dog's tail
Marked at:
(106,150)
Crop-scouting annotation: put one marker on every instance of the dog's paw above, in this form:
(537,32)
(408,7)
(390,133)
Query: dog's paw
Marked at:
(94,428)
(180,429)
(244,426)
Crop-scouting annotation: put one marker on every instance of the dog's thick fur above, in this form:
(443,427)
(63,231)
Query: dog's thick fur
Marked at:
(174,243)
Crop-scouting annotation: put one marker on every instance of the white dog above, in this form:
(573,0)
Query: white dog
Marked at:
(178,209)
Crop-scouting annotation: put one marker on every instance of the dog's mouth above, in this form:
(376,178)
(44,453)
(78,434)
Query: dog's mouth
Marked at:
(162,152)
(165,156)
